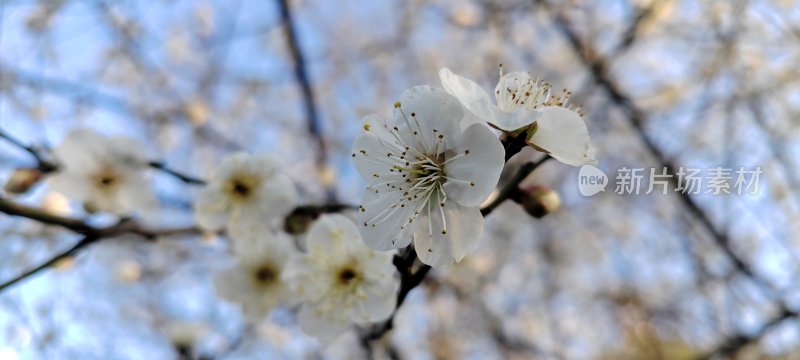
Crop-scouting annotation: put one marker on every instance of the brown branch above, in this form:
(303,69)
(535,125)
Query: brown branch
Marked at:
(512,187)
(91,234)
(52,261)
(190,180)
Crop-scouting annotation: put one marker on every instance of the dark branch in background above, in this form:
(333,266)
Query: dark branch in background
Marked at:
(598,69)
(182,177)
(52,261)
(94,234)
(301,76)
(91,234)
(46,166)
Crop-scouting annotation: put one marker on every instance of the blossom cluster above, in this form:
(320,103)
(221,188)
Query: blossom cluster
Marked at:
(428,169)
(431,165)
(338,280)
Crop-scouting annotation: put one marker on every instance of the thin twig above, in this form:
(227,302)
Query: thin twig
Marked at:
(52,261)
(47,166)
(91,234)
(507,191)
(182,177)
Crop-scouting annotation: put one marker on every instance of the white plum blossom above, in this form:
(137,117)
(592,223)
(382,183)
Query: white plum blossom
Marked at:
(255,282)
(341,281)
(521,101)
(246,192)
(427,172)
(104,173)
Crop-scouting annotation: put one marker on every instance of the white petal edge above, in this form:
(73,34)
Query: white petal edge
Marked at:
(464,228)
(481,166)
(563,134)
(470,94)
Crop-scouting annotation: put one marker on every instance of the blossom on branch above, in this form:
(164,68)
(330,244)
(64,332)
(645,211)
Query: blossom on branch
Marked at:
(427,172)
(341,281)
(246,191)
(255,280)
(553,125)
(104,173)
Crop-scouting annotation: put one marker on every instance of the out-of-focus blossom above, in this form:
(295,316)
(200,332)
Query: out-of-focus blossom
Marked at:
(255,281)
(554,126)
(341,281)
(104,173)
(426,177)
(247,191)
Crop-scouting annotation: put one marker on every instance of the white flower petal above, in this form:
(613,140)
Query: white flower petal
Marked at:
(374,157)
(382,223)
(127,150)
(564,135)
(322,324)
(255,248)
(478,169)
(236,285)
(464,228)
(376,125)
(70,184)
(211,209)
(276,198)
(469,94)
(333,232)
(301,275)
(381,294)
(513,120)
(79,152)
(229,166)
(506,90)
(425,115)
(137,195)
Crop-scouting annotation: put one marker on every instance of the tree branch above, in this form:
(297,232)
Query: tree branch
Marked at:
(182,177)
(512,187)
(52,261)
(91,234)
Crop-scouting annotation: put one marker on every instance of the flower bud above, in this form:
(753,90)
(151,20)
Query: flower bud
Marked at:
(21,180)
(538,200)
(297,223)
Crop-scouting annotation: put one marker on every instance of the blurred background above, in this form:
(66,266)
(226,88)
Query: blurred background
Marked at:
(662,83)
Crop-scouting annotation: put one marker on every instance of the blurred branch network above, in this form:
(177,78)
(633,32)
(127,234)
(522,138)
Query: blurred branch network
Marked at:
(662,83)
